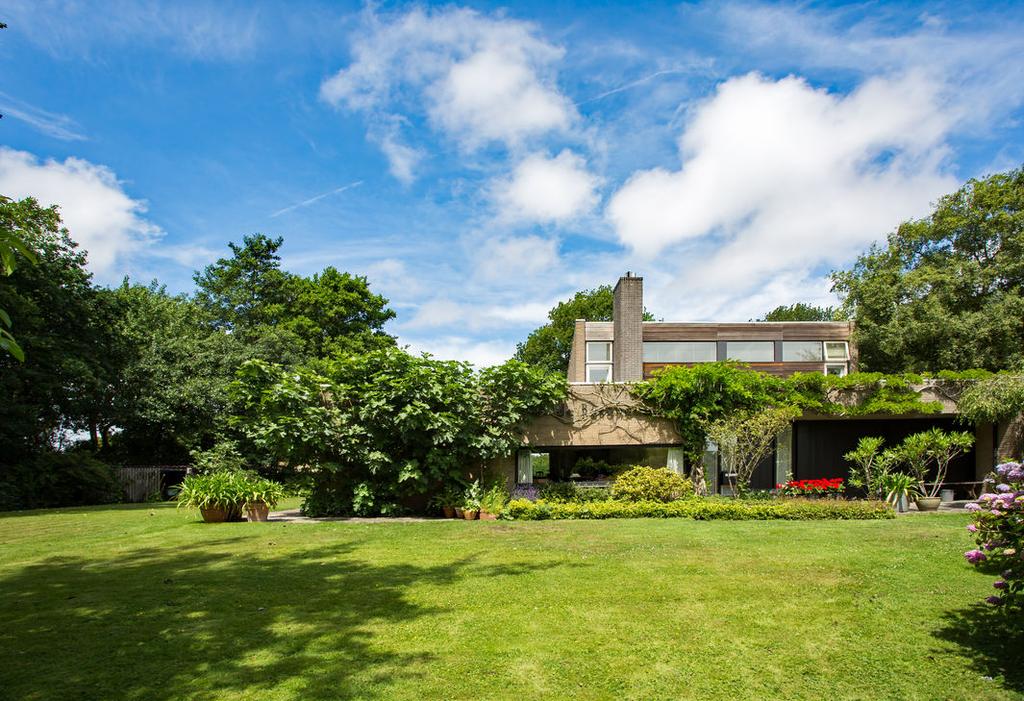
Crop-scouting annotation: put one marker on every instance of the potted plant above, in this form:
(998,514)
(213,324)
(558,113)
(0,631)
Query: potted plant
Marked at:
(219,496)
(493,501)
(447,499)
(471,501)
(899,487)
(920,450)
(260,496)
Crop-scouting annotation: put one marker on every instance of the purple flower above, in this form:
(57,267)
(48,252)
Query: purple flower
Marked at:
(1007,467)
(972,507)
(971,528)
(974,556)
(1003,487)
(999,584)
(995,600)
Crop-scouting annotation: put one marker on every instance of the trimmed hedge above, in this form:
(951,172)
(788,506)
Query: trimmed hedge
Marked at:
(702,510)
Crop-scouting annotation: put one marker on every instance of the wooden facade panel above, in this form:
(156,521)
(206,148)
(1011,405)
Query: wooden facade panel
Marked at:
(759,331)
(600,331)
(777,369)
(817,332)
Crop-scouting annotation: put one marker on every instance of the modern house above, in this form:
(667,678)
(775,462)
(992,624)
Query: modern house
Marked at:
(602,422)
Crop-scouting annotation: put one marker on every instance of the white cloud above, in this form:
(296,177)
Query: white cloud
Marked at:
(76,29)
(100,215)
(443,311)
(478,79)
(57,126)
(480,353)
(515,258)
(779,176)
(979,59)
(548,190)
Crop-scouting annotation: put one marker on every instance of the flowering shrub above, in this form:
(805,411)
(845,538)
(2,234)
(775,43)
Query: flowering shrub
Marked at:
(651,484)
(525,491)
(998,528)
(799,488)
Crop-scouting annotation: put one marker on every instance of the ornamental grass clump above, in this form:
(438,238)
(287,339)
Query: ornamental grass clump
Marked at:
(998,528)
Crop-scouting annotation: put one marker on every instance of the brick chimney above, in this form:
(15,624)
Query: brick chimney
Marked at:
(627,318)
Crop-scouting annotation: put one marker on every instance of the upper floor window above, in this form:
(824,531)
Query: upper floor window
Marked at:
(802,351)
(599,351)
(680,352)
(837,350)
(751,351)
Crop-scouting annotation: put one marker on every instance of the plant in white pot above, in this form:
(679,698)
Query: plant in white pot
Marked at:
(899,488)
(919,451)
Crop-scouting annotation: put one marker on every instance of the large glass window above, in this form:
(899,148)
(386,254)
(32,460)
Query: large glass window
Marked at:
(837,350)
(802,351)
(751,351)
(599,351)
(680,352)
(599,373)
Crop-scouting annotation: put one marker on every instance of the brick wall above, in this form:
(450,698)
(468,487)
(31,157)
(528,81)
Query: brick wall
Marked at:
(628,317)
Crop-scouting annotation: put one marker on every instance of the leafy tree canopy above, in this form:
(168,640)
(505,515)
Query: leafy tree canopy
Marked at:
(18,219)
(249,295)
(804,312)
(62,331)
(381,427)
(946,291)
(547,347)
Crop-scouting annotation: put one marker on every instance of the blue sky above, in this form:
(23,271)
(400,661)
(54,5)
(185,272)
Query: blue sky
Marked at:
(479,162)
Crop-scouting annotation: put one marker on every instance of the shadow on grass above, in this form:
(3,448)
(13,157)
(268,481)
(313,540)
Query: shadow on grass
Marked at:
(993,638)
(211,621)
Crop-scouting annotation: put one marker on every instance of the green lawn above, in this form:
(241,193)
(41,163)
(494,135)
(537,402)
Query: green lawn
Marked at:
(142,602)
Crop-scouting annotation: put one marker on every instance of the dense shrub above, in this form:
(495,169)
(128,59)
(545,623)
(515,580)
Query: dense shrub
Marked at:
(651,484)
(999,529)
(702,510)
(381,430)
(58,479)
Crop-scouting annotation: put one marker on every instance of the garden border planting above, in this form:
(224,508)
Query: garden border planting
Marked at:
(702,510)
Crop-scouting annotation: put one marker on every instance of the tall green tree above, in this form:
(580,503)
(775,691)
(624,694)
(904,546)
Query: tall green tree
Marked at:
(16,219)
(294,318)
(170,393)
(803,312)
(548,346)
(946,291)
(66,372)
(247,289)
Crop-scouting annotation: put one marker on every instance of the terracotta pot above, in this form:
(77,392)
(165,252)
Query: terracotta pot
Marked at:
(458,512)
(259,511)
(215,514)
(928,503)
(488,516)
(470,515)
(449,511)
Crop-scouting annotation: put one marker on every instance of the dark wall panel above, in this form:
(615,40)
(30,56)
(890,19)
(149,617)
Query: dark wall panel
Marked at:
(818,446)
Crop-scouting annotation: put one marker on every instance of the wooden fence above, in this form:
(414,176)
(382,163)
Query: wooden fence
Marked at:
(141,482)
